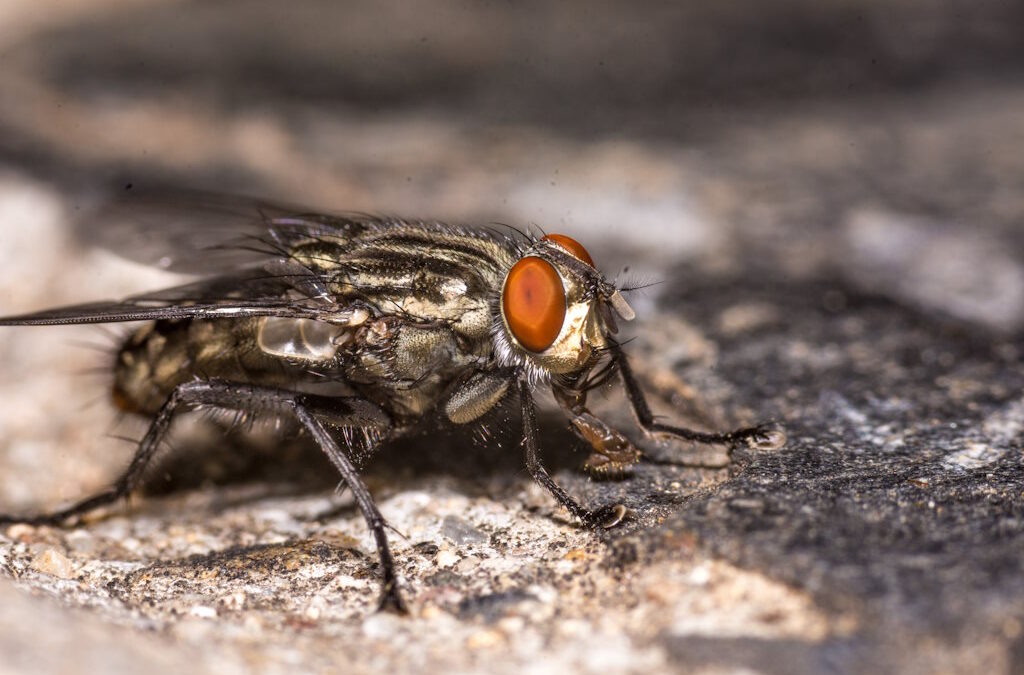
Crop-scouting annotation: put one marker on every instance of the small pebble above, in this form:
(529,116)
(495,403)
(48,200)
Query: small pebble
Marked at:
(485,639)
(54,563)
(234,601)
(20,531)
(576,554)
(700,575)
(462,532)
(511,625)
(467,565)
(447,558)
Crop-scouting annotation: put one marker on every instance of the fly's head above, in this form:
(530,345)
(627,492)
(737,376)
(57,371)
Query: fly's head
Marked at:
(556,311)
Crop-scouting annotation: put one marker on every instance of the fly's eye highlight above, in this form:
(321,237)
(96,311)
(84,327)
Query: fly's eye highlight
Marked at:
(572,246)
(533,302)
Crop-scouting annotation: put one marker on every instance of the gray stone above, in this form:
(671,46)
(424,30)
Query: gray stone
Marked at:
(460,532)
(833,224)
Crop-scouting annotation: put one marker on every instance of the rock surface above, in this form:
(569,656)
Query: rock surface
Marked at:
(841,255)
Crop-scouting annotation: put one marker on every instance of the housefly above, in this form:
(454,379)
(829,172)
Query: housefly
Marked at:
(360,328)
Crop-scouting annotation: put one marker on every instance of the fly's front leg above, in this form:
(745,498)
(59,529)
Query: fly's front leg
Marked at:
(613,454)
(307,410)
(608,516)
(761,436)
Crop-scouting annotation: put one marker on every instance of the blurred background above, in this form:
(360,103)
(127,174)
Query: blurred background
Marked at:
(872,147)
(785,162)
(678,129)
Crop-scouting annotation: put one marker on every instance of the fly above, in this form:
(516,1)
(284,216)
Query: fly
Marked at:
(360,328)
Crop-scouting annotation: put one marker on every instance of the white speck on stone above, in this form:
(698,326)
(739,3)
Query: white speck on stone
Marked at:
(544,594)
(573,628)
(253,623)
(485,639)
(131,544)
(564,566)
(973,456)
(467,565)
(203,612)
(1006,424)
(700,576)
(446,558)
(346,581)
(999,430)
(19,530)
(512,625)
(235,601)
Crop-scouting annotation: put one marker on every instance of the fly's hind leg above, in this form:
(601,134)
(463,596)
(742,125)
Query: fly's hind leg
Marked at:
(310,411)
(128,480)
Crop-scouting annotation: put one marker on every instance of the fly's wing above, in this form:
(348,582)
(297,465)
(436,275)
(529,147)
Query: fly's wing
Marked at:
(248,293)
(199,233)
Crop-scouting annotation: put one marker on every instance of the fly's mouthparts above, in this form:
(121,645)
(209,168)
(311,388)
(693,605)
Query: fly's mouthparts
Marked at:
(622,307)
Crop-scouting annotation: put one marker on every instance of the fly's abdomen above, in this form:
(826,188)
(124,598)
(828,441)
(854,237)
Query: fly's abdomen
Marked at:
(403,367)
(162,355)
(149,365)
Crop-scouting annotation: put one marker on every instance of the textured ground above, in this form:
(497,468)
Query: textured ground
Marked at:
(841,254)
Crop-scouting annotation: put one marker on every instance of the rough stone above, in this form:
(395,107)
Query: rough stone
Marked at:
(840,254)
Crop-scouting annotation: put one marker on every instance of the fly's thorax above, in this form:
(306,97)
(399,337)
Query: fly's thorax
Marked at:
(424,273)
(554,314)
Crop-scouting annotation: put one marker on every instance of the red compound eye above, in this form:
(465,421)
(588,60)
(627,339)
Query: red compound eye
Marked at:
(533,302)
(572,246)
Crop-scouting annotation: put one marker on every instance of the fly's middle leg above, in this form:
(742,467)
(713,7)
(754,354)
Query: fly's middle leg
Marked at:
(608,516)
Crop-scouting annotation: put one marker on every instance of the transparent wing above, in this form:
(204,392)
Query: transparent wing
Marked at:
(198,232)
(284,292)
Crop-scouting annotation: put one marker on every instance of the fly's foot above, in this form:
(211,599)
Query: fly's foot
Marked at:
(606,517)
(603,467)
(766,437)
(33,521)
(391,600)
(59,518)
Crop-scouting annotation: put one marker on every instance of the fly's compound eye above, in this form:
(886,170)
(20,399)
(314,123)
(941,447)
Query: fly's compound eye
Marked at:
(572,246)
(533,302)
